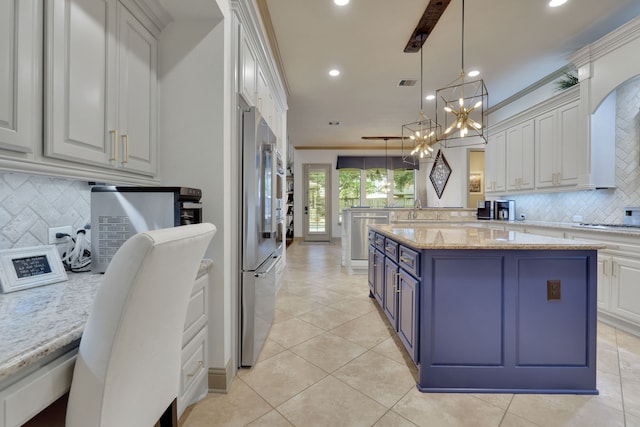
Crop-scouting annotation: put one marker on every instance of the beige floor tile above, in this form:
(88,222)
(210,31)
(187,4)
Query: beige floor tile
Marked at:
(565,410)
(282,316)
(331,403)
(270,349)
(293,332)
(500,400)
(631,396)
(357,305)
(393,349)
(237,408)
(607,358)
(610,391)
(368,330)
(391,419)
(282,376)
(631,421)
(629,364)
(327,318)
(379,377)
(328,351)
(295,305)
(511,420)
(628,342)
(447,410)
(272,419)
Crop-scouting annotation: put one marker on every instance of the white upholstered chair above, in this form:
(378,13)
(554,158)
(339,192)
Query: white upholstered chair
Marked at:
(128,365)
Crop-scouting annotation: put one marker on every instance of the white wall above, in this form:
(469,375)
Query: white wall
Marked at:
(196,150)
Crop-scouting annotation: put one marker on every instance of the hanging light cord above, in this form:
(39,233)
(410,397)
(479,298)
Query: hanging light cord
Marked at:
(462,50)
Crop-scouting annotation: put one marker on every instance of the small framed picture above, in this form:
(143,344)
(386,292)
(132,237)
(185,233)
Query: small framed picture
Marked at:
(24,268)
(475,182)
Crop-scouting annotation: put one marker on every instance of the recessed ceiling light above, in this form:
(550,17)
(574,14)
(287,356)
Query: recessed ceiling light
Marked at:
(341,2)
(430,97)
(556,3)
(334,73)
(473,73)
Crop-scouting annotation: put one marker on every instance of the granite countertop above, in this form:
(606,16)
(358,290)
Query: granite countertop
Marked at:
(471,236)
(39,321)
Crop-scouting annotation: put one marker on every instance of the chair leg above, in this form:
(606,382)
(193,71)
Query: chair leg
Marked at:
(170,416)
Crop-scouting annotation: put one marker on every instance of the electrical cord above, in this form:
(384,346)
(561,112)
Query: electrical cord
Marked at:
(77,257)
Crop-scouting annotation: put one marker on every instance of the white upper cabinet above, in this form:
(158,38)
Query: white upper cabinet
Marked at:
(557,147)
(20,65)
(495,163)
(101,86)
(247,69)
(520,156)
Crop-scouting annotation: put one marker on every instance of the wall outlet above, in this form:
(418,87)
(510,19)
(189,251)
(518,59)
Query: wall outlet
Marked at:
(53,240)
(577,218)
(553,290)
(522,217)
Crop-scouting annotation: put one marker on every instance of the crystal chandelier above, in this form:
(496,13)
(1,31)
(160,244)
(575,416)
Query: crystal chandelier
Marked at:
(462,116)
(419,136)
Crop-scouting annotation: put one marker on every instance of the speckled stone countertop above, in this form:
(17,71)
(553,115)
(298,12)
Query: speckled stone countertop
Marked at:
(467,236)
(39,321)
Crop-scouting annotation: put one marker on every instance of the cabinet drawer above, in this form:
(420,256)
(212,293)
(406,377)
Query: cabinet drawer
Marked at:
(379,242)
(194,362)
(197,309)
(409,260)
(391,249)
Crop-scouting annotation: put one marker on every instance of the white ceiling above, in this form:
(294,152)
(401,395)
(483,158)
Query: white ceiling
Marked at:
(513,43)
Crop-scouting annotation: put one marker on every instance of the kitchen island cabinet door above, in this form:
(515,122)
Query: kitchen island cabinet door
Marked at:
(408,312)
(390,297)
(21,56)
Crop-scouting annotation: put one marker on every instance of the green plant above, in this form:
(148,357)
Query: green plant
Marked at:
(568,79)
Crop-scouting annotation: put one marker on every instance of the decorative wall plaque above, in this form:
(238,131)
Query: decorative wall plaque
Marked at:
(25,268)
(440,173)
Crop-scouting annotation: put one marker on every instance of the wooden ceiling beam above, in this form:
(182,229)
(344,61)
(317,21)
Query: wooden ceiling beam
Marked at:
(425,26)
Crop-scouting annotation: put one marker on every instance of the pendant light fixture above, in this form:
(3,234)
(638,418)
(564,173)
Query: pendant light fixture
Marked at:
(418,137)
(460,109)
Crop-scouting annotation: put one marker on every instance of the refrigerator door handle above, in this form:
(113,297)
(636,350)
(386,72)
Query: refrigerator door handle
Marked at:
(263,272)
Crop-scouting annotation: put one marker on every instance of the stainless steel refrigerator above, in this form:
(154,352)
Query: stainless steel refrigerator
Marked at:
(259,246)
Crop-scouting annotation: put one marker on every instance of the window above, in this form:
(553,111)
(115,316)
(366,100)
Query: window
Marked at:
(404,193)
(377,190)
(368,187)
(348,189)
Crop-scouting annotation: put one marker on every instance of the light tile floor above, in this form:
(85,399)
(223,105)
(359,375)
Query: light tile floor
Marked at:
(331,359)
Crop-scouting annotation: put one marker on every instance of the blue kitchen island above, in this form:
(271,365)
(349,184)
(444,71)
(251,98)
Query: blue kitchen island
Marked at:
(485,310)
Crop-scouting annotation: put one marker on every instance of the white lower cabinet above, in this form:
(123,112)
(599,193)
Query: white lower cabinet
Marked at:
(194,367)
(618,280)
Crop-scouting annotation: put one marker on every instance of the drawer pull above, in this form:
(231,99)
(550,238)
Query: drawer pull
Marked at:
(406,260)
(389,249)
(114,135)
(195,371)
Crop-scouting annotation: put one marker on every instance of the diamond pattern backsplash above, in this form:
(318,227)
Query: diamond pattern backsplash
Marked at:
(31,204)
(599,206)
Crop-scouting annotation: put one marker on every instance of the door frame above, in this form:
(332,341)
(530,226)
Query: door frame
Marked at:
(326,235)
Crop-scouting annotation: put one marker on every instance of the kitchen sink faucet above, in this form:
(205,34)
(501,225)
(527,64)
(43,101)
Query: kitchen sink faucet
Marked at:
(416,205)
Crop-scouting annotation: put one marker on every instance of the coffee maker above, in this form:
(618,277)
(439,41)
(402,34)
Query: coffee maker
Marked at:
(505,210)
(485,209)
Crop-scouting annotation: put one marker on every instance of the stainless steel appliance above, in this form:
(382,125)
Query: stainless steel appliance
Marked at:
(360,222)
(119,212)
(505,210)
(485,209)
(259,244)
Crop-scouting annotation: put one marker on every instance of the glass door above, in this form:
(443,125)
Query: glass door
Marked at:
(316,215)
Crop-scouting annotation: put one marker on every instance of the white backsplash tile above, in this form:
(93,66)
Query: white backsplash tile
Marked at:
(599,206)
(31,204)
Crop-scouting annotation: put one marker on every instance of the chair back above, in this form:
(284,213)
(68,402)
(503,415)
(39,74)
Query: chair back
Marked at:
(128,367)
